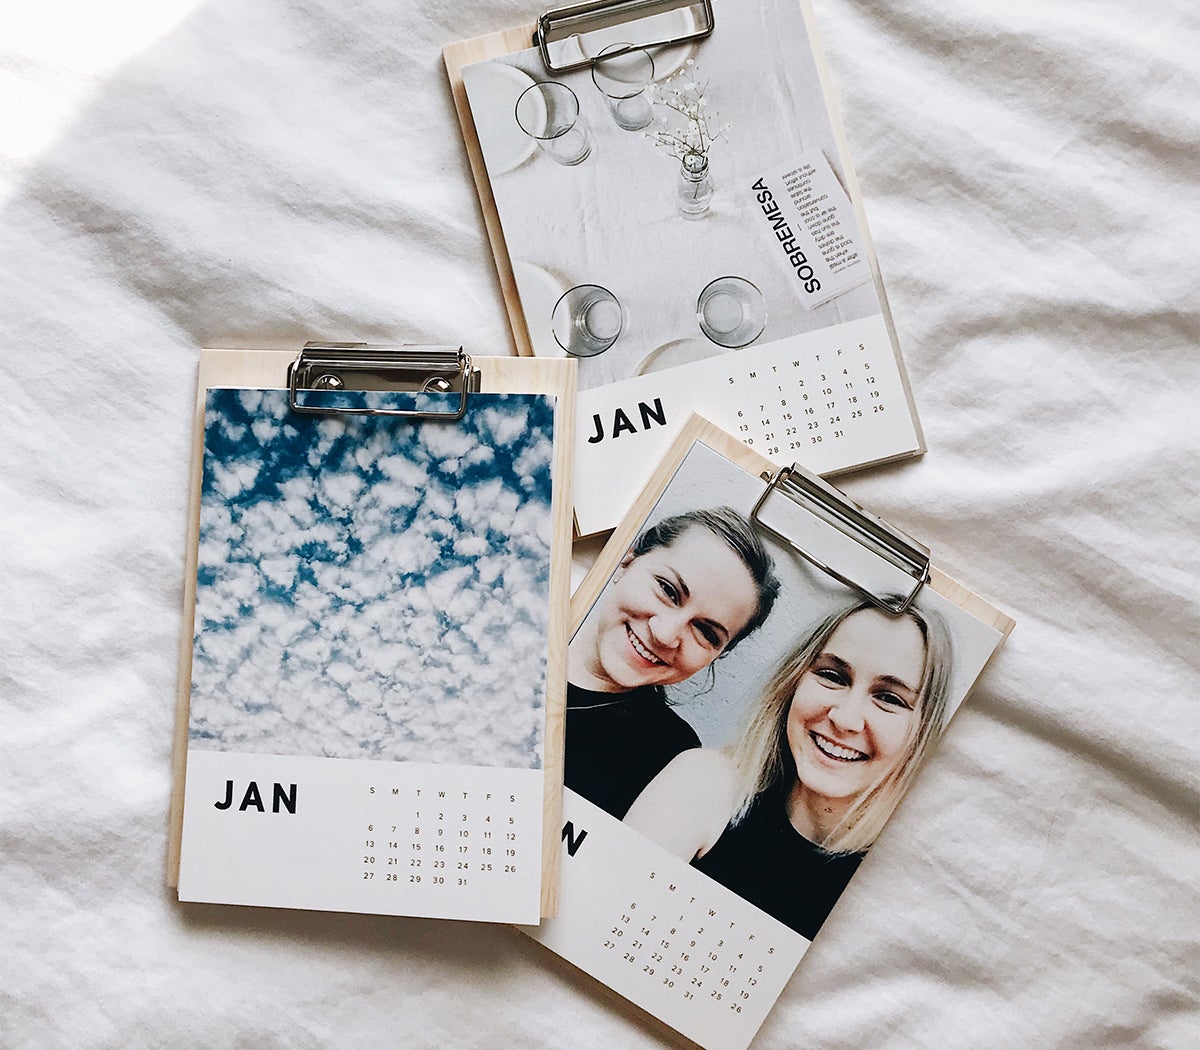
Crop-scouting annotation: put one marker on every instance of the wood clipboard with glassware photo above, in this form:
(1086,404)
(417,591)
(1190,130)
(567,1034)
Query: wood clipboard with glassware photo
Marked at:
(685,221)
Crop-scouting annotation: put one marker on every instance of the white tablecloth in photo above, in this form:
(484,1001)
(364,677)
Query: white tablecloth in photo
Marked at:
(611,220)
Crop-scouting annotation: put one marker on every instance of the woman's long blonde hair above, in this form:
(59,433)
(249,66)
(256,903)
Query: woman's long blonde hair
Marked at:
(763,759)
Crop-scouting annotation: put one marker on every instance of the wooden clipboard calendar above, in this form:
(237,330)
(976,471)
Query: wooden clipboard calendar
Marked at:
(750,295)
(372,669)
(758,669)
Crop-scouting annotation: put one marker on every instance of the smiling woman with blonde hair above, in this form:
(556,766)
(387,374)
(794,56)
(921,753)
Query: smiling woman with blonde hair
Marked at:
(784,816)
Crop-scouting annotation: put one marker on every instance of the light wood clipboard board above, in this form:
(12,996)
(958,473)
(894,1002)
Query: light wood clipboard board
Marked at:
(697,428)
(268,369)
(455,56)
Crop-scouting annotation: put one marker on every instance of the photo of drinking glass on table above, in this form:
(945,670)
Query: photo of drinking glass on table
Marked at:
(622,74)
(549,114)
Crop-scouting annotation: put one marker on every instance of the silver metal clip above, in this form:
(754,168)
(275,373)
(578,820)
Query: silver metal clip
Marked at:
(363,367)
(573,36)
(873,557)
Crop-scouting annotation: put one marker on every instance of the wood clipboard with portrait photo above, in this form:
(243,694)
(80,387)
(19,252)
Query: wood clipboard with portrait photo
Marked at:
(758,669)
(372,671)
(686,221)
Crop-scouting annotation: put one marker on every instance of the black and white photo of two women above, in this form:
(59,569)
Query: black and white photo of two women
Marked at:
(745,711)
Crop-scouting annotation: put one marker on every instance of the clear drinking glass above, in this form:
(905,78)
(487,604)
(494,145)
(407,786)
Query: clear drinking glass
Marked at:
(622,78)
(548,113)
(587,320)
(731,312)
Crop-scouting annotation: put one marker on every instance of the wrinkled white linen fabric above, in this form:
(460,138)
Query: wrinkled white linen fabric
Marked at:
(207,172)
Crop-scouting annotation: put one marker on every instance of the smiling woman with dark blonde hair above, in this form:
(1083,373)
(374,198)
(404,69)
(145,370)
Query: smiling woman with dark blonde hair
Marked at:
(784,816)
(688,591)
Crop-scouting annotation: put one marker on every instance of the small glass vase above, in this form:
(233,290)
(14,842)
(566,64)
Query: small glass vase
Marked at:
(694,191)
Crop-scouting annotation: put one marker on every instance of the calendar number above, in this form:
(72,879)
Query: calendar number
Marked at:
(761,417)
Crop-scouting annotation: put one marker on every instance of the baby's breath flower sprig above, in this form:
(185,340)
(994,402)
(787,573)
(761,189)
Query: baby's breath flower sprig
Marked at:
(691,131)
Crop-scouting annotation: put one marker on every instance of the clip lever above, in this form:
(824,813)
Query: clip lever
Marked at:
(562,33)
(362,367)
(890,567)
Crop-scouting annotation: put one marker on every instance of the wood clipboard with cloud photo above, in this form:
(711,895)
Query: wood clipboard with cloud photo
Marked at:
(371,685)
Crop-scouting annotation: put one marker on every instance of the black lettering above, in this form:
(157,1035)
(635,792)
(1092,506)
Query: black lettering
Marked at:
(599,435)
(252,798)
(621,424)
(787,238)
(285,798)
(568,836)
(658,413)
(228,796)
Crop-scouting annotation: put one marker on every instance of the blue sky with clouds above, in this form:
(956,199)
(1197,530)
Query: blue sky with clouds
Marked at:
(372,587)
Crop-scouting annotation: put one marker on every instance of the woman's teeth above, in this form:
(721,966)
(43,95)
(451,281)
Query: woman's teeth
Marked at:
(828,747)
(641,650)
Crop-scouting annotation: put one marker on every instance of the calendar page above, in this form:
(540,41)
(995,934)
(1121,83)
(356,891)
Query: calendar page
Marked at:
(685,222)
(832,400)
(740,726)
(367,715)
(651,927)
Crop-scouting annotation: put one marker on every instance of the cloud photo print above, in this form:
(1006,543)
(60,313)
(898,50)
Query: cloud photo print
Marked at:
(337,611)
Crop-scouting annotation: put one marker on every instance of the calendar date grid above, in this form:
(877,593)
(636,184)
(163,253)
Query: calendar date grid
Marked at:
(807,401)
(689,948)
(430,837)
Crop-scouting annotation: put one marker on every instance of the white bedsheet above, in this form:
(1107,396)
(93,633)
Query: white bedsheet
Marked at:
(222,172)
